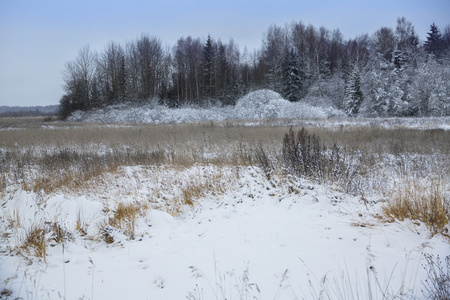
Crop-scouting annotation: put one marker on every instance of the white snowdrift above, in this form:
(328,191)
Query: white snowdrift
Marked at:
(258,105)
(269,240)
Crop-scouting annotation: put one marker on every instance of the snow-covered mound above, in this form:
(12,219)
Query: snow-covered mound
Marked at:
(261,104)
(267,104)
(258,105)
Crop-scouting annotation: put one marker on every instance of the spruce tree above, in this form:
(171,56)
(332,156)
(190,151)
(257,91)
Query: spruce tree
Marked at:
(434,43)
(292,82)
(354,95)
(208,68)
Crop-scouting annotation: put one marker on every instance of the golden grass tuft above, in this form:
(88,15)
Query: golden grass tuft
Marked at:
(125,217)
(80,225)
(35,241)
(41,234)
(200,185)
(422,202)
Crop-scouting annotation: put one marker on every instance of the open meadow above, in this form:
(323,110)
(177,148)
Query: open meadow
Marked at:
(272,209)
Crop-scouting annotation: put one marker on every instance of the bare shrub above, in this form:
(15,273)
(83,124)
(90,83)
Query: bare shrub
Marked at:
(263,161)
(304,154)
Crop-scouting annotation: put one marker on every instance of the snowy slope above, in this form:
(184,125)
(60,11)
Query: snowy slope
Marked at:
(282,239)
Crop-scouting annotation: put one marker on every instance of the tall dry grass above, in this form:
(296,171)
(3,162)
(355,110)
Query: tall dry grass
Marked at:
(424,202)
(46,156)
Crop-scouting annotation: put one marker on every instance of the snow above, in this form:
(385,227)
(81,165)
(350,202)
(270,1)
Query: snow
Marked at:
(254,108)
(244,237)
(257,105)
(273,239)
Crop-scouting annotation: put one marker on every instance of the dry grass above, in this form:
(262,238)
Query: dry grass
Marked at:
(422,202)
(437,285)
(40,234)
(125,217)
(199,185)
(35,241)
(80,225)
(47,157)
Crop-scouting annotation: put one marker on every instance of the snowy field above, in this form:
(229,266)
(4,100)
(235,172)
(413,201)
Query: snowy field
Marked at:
(187,211)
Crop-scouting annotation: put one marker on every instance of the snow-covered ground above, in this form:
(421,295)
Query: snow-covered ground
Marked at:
(244,237)
(216,231)
(252,109)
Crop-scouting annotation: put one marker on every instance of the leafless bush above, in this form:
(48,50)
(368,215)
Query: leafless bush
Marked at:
(304,154)
(263,161)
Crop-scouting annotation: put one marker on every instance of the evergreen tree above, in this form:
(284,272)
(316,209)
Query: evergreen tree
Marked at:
(208,68)
(354,95)
(292,79)
(434,43)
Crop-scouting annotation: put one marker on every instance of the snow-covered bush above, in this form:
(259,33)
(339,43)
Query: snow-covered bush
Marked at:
(257,105)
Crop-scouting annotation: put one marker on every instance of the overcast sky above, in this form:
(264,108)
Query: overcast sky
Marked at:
(38,37)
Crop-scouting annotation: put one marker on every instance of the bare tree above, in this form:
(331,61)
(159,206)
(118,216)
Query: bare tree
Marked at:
(187,65)
(272,54)
(78,77)
(112,73)
(384,42)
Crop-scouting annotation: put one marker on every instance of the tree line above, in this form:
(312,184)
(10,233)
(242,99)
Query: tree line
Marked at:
(31,111)
(388,73)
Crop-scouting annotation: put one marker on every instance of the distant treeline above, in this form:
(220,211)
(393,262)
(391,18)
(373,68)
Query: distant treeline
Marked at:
(32,111)
(388,73)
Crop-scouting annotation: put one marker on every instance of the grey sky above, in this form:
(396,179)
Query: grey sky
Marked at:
(38,37)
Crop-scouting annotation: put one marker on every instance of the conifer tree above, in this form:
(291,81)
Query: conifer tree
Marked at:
(292,81)
(354,95)
(208,68)
(434,43)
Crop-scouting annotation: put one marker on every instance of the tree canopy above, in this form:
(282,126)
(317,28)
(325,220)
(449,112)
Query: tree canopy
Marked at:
(387,73)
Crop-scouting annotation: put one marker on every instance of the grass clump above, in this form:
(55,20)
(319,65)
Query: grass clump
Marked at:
(422,202)
(125,217)
(202,182)
(80,225)
(39,236)
(35,241)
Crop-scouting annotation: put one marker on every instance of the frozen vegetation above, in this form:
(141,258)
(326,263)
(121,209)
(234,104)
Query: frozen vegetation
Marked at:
(231,204)
(258,105)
